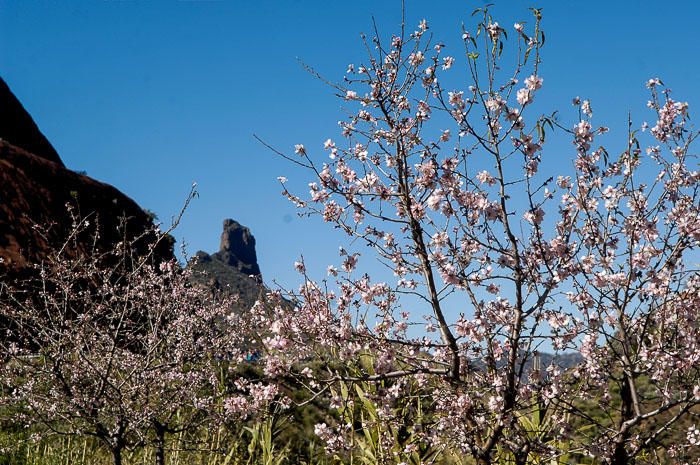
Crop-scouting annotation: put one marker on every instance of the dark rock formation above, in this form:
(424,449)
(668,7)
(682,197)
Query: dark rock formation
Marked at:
(35,188)
(237,248)
(234,268)
(19,129)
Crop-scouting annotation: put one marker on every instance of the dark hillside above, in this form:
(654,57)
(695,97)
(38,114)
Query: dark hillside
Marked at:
(36,187)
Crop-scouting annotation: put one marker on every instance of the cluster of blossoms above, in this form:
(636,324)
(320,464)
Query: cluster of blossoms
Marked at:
(526,94)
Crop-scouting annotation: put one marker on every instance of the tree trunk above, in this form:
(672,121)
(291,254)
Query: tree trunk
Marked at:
(117,455)
(620,455)
(160,443)
(118,442)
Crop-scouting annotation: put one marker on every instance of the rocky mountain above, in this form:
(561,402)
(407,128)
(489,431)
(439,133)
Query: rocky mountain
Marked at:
(234,268)
(36,187)
(19,129)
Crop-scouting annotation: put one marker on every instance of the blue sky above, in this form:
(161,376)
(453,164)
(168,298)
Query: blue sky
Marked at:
(152,95)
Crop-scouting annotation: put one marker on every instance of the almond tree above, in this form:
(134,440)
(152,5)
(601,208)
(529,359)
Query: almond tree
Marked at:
(113,346)
(637,283)
(492,259)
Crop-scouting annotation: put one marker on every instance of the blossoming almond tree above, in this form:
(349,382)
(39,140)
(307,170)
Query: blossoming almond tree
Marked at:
(444,188)
(112,346)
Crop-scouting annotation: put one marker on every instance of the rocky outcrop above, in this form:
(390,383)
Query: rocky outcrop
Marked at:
(18,128)
(36,189)
(234,268)
(237,248)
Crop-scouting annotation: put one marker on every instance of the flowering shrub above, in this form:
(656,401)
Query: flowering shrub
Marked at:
(448,189)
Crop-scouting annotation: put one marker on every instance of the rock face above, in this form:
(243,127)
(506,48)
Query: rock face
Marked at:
(18,128)
(234,268)
(36,187)
(237,248)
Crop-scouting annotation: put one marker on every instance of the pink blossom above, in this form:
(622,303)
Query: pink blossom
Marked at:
(447,62)
(486,178)
(416,58)
(586,108)
(534,216)
(533,83)
(524,96)
(494,30)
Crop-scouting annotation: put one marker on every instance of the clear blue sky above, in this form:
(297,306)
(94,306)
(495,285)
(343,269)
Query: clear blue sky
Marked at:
(152,95)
